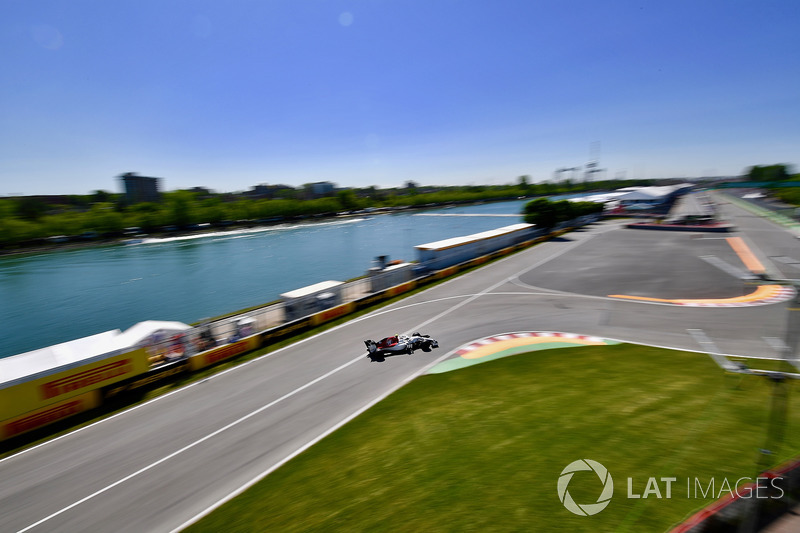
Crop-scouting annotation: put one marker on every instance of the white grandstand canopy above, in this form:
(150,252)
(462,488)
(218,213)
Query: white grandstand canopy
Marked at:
(640,195)
(60,356)
(458,241)
(143,332)
(31,365)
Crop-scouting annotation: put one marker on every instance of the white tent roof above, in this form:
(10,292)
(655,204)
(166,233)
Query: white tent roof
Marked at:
(599,198)
(647,193)
(458,241)
(638,195)
(143,330)
(311,289)
(56,358)
(59,356)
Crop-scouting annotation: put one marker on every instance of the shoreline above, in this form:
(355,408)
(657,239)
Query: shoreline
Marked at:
(43,248)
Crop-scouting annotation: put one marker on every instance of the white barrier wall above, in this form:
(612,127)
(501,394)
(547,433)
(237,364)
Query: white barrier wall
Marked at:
(312,299)
(442,254)
(382,278)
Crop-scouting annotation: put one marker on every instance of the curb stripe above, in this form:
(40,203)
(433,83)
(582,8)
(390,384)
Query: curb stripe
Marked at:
(763,295)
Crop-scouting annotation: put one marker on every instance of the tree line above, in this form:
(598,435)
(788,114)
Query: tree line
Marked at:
(30,220)
(547,214)
(775,178)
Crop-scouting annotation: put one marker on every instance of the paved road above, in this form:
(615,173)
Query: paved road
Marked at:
(155,467)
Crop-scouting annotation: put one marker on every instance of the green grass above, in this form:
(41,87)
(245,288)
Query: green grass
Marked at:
(481,449)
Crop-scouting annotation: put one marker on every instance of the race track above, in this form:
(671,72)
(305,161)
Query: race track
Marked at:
(159,465)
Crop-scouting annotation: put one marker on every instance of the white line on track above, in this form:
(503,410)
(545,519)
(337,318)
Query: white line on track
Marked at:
(307,445)
(232,369)
(193,444)
(710,346)
(292,393)
(736,272)
(778,345)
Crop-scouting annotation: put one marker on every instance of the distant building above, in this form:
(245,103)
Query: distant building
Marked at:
(202,192)
(268,191)
(321,188)
(140,188)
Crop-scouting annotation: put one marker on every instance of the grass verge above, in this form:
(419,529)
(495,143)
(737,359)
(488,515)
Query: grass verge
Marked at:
(482,448)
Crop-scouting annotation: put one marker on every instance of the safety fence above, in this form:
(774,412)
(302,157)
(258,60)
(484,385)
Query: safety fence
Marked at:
(751,506)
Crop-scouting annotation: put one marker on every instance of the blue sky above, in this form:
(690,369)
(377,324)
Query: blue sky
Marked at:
(231,94)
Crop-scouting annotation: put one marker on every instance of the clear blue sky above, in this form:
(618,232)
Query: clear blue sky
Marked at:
(231,94)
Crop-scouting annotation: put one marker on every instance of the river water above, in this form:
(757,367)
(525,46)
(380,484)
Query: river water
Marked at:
(55,297)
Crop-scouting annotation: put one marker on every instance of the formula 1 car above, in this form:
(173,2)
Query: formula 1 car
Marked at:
(399,344)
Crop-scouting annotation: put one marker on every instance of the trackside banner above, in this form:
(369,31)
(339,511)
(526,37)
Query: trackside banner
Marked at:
(54,388)
(333,313)
(47,415)
(400,289)
(222,353)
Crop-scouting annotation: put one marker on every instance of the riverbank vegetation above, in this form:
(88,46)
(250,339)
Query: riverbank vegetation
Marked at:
(779,179)
(35,221)
(546,214)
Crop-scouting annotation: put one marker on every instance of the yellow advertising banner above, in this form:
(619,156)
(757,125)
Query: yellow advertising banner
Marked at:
(447,272)
(47,415)
(400,289)
(220,353)
(54,388)
(332,313)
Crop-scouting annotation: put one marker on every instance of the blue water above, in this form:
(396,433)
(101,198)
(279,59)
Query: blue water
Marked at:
(50,298)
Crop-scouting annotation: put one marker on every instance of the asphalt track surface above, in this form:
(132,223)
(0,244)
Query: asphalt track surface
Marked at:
(162,464)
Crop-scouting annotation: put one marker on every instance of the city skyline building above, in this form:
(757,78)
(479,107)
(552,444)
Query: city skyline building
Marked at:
(140,188)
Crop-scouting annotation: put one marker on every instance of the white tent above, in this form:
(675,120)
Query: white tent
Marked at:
(26,366)
(638,196)
(150,331)
(60,356)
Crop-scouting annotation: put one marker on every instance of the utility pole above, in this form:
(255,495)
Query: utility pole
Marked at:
(593,166)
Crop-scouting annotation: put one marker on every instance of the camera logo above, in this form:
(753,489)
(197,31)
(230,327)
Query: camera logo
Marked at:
(587,509)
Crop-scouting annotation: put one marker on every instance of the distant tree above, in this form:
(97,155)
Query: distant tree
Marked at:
(180,207)
(30,208)
(564,210)
(541,212)
(15,231)
(69,223)
(211,210)
(347,197)
(546,214)
(241,210)
(769,173)
(7,209)
(287,194)
(145,215)
(372,192)
(105,219)
(101,196)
